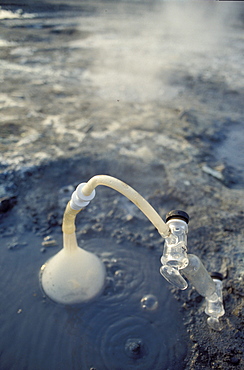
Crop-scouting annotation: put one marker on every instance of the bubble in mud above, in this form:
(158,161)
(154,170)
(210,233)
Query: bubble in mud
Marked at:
(119,274)
(149,302)
(134,348)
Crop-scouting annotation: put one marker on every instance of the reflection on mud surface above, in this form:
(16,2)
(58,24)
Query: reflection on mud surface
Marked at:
(143,91)
(51,336)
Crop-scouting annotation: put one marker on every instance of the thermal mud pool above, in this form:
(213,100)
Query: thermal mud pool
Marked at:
(151,94)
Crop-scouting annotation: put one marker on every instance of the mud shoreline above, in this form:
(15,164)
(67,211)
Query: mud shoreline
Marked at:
(85,89)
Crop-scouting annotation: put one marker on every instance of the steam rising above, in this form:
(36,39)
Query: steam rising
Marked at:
(139,59)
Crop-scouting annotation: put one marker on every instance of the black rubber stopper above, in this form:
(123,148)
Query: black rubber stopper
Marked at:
(217,275)
(177,214)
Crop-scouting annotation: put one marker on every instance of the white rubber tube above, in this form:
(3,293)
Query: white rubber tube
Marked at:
(132,195)
(74,275)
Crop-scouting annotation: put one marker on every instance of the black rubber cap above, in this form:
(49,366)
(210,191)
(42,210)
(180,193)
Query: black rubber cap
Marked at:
(217,275)
(177,214)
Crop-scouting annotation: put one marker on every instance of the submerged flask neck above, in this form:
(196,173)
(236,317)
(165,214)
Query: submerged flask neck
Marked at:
(70,242)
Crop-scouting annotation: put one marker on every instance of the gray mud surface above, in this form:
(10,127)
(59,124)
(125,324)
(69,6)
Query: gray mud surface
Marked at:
(153,95)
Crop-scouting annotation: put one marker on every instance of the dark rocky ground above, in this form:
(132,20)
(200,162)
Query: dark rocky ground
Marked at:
(150,94)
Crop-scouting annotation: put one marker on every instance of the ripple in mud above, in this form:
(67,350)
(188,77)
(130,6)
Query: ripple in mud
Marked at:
(134,324)
(113,332)
(116,331)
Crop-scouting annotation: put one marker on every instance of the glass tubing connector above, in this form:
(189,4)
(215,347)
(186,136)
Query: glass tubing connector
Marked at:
(175,259)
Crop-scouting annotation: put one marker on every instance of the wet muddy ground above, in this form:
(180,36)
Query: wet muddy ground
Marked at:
(152,95)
